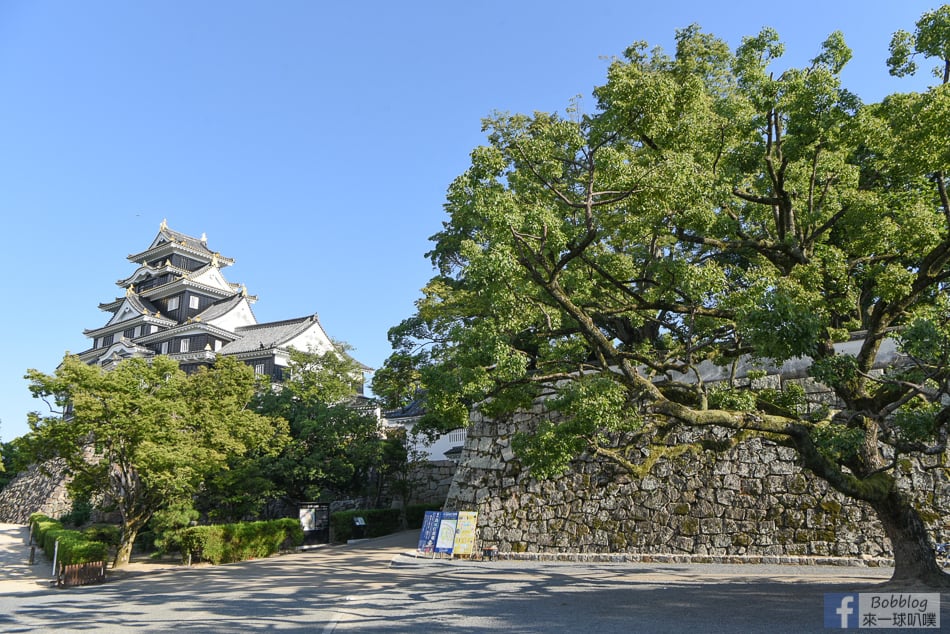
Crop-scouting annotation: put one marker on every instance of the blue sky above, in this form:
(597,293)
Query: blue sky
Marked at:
(311,141)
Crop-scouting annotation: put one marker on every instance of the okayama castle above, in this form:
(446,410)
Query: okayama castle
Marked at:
(178,303)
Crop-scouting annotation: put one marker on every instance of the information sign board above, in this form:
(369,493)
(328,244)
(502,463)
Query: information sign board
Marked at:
(445,540)
(430,531)
(465,533)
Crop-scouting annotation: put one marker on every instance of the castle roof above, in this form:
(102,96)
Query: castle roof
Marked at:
(223,307)
(270,335)
(168,241)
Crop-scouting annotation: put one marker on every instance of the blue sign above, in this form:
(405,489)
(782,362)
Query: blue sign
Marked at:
(430,532)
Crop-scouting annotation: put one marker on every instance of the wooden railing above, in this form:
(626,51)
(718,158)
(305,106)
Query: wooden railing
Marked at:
(81,574)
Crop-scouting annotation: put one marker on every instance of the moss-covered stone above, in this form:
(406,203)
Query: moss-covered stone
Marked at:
(689,526)
(618,542)
(830,506)
(825,535)
(797,484)
(929,516)
(794,519)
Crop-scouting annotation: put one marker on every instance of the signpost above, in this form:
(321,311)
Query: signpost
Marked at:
(465,534)
(430,531)
(445,542)
(448,533)
(315,522)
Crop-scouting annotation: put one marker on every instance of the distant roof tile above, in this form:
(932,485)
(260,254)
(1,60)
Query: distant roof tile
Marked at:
(267,335)
(412,410)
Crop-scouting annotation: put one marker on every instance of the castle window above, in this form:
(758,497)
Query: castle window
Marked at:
(184,345)
(164,347)
(172,303)
(194,301)
(259,368)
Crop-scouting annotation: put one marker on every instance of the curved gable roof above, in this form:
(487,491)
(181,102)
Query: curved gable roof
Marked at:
(210,275)
(168,239)
(229,313)
(124,309)
(275,334)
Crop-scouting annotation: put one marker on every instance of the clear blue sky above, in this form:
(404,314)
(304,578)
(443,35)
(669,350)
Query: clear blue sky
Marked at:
(311,141)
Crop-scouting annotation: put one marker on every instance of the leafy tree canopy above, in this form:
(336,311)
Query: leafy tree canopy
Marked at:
(13,460)
(333,444)
(145,435)
(711,210)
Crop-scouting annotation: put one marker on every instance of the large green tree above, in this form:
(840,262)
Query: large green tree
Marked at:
(714,209)
(145,435)
(334,443)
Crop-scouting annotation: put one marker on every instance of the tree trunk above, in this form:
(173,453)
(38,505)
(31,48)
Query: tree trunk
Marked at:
(123,553)
(914,560)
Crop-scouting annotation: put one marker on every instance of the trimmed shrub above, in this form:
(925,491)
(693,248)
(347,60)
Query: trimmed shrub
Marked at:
(203,543)
(74,546)
(227,543)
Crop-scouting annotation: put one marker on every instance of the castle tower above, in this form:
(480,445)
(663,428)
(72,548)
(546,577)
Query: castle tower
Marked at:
(178,303)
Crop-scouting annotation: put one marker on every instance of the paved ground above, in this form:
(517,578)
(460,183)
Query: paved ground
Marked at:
(380,586)
(16,574)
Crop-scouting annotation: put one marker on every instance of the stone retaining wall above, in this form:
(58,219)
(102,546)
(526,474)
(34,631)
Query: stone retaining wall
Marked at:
(751,500)
(36,490)
(431,481)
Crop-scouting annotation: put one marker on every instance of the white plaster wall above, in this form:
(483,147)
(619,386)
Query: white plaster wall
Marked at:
(241,315)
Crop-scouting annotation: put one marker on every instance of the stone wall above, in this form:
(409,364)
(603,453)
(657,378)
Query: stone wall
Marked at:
(431,481)
(745,501)
(36,490)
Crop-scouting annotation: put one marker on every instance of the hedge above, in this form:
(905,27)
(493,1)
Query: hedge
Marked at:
(226,543)
(379,522)
(74,546)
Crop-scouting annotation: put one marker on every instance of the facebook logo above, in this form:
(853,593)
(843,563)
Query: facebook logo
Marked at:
(841,610)
(882,610)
